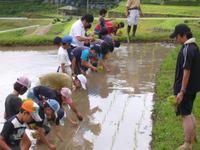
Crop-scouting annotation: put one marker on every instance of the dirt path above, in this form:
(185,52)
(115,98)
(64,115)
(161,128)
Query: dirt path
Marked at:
(42,30)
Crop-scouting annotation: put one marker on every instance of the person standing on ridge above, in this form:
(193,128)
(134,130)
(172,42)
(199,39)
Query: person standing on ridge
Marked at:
(133,13)
(187,81)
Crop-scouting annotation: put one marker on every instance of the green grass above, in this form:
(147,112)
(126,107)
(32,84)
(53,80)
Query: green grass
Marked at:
(155,30)
(148,31)
(28,9)
(167,129)
(159,10)
(10,24)
(21,37)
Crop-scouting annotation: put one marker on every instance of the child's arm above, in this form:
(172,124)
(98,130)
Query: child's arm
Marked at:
(3,144)
(74,123)
(102,63)
(57,132)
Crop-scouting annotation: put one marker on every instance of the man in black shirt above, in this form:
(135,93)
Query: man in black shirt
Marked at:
(187,81)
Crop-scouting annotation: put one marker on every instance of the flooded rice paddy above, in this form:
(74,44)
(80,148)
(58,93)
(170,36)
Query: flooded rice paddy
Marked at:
(118,105)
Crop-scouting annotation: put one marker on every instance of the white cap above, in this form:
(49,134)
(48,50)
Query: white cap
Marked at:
(83,80)
(66,92)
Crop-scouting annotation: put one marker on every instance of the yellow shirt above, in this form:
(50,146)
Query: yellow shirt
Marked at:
(133,3)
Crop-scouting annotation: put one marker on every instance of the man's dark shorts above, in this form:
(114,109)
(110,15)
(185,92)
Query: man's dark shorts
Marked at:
(185,107)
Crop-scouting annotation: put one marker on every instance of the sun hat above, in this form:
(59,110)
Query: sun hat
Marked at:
(67,40)
(180,29)
(83,80)
(53,104)
(31,107)
(24,81)
(66,92)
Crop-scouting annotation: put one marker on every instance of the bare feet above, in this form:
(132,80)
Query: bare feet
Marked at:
(185,146)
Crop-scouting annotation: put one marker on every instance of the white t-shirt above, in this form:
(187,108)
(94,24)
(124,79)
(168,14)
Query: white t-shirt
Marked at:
(63,57)
(77,29)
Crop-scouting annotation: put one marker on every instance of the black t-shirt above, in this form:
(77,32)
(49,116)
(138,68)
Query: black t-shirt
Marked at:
(47,92)
(188,58)
(12,106)
(13,131)
(70,53)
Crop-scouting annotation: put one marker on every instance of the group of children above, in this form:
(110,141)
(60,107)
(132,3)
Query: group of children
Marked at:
(44,107)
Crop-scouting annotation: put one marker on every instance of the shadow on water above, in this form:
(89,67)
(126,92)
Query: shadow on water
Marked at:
(117,106)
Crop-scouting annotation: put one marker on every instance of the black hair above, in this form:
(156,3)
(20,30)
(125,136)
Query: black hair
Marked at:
(21,89)
(104,48)
(57,40)
(188,35)
(88,18)
(121,25)
(102,11)
(103,31)
(87,44)
(21,110)
(96,48)
(111,47)
(88,26)
(46,105)
(116,43)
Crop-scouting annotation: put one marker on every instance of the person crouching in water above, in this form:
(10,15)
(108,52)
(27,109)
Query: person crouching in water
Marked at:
(41,93)
(51,116)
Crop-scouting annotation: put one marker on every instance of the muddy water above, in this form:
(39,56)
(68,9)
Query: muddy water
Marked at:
(117,106)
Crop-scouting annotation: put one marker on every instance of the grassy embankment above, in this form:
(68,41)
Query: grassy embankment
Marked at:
(167,129)
(28,9)
(148,30)
(160,10)
(27,36)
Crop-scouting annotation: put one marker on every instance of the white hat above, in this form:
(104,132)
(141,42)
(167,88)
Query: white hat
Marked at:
(83,80)
(66,92)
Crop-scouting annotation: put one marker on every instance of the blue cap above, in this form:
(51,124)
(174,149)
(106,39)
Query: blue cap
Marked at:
(53,104)
(67,40)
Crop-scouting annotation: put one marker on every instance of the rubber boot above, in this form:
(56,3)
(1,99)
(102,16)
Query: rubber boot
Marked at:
(134,29)
(128,29)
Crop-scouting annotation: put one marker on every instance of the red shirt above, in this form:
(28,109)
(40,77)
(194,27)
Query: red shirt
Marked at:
(108,24)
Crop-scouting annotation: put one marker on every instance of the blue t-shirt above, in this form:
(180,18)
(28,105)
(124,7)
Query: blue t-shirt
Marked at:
(78,51)
(86,55)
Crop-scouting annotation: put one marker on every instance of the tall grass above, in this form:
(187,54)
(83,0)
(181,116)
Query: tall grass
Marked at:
(167,129)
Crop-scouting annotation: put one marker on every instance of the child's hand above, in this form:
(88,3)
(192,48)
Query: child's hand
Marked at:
(74,123)
(79,116)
